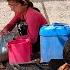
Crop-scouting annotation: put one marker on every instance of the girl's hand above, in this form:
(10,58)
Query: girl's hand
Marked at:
(3,32)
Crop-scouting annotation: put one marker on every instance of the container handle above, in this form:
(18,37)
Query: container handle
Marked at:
(58,24)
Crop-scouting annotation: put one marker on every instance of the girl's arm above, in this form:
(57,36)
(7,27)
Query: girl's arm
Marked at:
(10,25)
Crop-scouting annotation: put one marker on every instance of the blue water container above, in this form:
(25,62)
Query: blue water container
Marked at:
(52,40)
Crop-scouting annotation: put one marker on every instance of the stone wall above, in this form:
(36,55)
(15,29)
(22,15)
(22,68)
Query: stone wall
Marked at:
(57,10)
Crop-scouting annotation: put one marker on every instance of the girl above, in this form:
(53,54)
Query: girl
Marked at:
(25,10)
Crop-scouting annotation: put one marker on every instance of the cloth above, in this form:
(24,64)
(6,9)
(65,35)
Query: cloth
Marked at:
(3,42)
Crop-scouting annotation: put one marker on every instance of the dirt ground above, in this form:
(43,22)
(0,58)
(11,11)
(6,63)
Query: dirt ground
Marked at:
(56,11)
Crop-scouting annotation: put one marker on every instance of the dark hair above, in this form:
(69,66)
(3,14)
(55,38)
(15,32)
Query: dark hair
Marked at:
(66,51)
(26,2)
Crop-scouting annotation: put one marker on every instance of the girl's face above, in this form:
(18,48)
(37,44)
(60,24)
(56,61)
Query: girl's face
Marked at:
(16,7)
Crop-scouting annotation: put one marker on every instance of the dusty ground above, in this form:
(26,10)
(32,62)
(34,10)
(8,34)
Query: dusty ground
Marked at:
(56,11)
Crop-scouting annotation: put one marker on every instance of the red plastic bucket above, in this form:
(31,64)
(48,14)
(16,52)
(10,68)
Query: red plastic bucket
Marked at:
(19,51)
